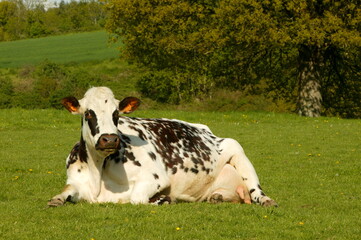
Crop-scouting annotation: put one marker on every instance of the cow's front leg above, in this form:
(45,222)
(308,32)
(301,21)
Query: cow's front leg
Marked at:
(77,180)
(68,194)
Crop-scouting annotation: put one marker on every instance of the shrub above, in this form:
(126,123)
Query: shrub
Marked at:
(47,83)
(76,83)
(167,87)
(158,86)
(6,92)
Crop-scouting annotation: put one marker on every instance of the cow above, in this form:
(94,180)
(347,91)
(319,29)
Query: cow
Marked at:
(133,160)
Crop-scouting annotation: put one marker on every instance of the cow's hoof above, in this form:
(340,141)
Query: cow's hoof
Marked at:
(55,202)
(269,203)
(216,198)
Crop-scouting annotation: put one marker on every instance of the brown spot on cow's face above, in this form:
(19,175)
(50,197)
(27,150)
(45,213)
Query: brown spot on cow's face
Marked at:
(115,117)
(91,118)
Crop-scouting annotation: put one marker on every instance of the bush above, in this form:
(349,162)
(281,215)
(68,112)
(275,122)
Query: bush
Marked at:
(26,100)
(167,87)
(76,83)
(6,92)
(158,86)
(47,83)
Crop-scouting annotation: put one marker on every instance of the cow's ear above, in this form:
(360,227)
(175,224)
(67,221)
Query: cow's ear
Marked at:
(72,104)
(129,104)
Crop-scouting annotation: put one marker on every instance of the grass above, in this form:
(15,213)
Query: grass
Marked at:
(79,47)
(310,166)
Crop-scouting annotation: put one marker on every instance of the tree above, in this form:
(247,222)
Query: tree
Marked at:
(168,37)
(7,10)
(36,24)
(21,19)
(307,50)
(15,26)
(323,33)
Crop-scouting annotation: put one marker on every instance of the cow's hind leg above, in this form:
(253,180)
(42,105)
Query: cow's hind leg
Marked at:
(233,151)
(229,187)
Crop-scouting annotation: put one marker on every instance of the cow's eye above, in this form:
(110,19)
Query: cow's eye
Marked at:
(87,115)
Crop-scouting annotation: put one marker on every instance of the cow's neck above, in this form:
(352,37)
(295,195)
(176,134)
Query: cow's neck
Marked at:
(88,154)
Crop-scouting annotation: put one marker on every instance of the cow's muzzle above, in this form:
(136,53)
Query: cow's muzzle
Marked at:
(108,142)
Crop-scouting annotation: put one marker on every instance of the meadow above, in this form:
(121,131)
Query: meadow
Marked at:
(311,167)
(78,47)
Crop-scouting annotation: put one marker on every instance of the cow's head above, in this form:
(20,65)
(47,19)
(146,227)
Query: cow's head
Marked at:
(100,113)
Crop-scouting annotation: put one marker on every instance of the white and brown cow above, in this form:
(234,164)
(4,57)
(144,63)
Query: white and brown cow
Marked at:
(124,159)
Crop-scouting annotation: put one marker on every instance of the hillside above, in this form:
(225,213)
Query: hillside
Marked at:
(79,47)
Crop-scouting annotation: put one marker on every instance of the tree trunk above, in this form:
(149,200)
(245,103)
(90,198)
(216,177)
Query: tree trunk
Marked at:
(309,94)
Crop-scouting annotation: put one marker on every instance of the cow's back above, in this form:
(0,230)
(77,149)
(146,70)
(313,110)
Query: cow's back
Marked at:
(188,153)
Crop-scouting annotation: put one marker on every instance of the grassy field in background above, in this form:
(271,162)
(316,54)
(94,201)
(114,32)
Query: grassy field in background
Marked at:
(90,52)
(79,47)
(311,167)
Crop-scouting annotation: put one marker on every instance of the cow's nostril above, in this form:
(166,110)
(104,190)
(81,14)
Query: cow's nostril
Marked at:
(108,141)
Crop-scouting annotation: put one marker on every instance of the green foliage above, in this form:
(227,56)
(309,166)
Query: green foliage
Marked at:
(342,86)
(236,43)
(164,36)
(6,91)
(314,181)
(7,10)
(158,86)
(165,86)
(35,25)
(50,83)
(48,77)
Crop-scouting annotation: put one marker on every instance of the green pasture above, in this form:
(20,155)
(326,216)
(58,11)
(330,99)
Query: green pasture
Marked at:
(311,167)
(79,47)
